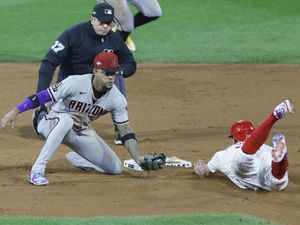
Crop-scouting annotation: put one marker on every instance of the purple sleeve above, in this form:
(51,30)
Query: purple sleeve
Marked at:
(43,97)
(25,105)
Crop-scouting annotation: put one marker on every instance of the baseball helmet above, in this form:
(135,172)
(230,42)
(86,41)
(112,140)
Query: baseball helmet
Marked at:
(107,61)
(241,129)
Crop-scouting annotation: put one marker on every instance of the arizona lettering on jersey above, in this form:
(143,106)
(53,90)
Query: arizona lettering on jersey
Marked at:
(86,108)
(74,95)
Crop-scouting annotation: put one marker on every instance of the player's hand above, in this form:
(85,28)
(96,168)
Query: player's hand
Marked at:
(201,169)
(153,161)
(10,117)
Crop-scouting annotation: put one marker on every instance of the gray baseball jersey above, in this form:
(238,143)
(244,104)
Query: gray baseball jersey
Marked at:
(69,122)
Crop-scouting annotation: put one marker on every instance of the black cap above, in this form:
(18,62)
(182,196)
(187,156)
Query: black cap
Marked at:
(103,12)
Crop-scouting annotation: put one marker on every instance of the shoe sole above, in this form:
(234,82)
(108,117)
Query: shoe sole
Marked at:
(290,106)
(279,151)
(117,142)
(37,184)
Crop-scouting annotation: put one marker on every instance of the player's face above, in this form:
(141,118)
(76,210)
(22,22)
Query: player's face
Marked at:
(102,80)
(100,28)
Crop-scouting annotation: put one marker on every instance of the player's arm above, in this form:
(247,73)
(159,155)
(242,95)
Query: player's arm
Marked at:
(31,102)
(129,141)
(55,56)
(126,59)
(46,72)
(213,165)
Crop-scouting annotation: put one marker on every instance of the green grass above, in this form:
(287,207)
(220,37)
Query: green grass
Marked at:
(222,219)
(29,27)
(217,31)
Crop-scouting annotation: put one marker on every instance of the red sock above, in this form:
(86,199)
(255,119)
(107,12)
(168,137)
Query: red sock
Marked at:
(279,168)
(259,136)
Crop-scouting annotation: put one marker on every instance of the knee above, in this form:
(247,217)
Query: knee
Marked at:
(157,13)
(65,122)
(154,13)
(117,169)
(128,27)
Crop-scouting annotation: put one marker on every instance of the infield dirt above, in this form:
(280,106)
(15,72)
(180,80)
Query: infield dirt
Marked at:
(184,110)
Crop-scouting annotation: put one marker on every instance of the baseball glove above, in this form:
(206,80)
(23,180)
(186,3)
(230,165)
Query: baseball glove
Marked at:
(153,161)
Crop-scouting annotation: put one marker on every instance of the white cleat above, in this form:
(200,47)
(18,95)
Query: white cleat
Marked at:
(37,179)
(284,108)
(280,149)
(117,140)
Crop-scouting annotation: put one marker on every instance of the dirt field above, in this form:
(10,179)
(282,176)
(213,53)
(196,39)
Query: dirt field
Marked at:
(183,110)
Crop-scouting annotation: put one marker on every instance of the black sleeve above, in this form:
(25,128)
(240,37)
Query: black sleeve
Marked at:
(128,69)
(45,75)
(55,56)
(126,59)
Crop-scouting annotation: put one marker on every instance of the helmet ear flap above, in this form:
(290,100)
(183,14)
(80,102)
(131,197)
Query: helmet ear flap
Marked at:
(240,130)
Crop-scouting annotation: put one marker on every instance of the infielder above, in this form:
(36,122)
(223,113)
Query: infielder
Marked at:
(249,163)
(148,10)
(75,49)
(80,99)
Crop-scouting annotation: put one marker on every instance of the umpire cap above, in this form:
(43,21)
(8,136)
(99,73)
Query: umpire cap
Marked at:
(107,61)
(103,12)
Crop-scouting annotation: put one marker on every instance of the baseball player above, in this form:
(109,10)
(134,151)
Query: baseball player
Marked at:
(80,99)
(148,10)
(249,163)
(75,49)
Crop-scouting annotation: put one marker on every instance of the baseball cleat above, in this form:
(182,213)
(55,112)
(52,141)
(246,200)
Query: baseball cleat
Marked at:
(130,44)
(37,179)
(279,150)
(117,140)
(284,108)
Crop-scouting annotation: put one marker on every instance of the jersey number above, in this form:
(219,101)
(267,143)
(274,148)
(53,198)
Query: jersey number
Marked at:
(57,46)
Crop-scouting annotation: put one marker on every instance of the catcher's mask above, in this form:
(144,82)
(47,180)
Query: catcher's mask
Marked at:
(241,129)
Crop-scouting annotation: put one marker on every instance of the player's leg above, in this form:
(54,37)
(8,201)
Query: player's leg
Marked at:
(123,17)
(37,116)
(79,162)
(92,152)
(279,156)
(276,177)
(149,10)
(261,133)
(53,128)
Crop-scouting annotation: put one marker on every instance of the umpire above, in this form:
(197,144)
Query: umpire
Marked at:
(77,46)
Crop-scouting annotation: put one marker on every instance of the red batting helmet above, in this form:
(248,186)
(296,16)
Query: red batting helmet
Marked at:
(240,130)
(107,61)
